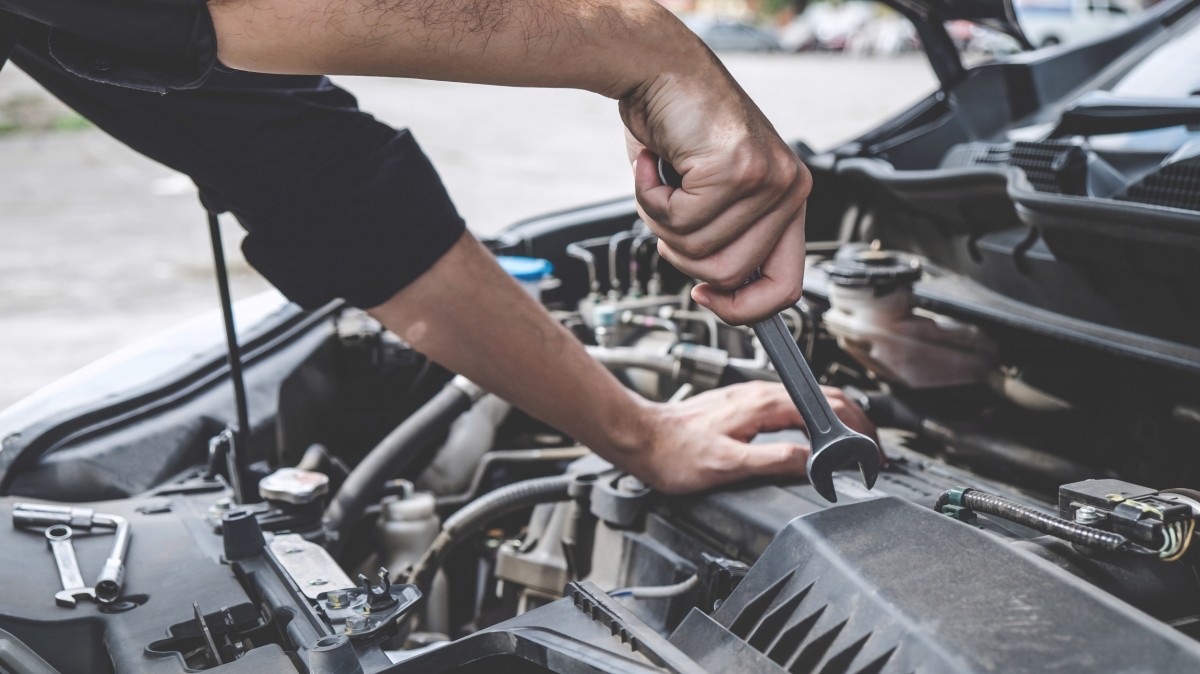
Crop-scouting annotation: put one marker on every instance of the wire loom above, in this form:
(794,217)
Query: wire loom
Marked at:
(1177,537)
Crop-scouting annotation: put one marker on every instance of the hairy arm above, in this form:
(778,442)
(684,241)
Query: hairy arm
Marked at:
(606,46)
(741,205)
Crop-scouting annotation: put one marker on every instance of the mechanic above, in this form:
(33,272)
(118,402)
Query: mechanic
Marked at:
(233,94)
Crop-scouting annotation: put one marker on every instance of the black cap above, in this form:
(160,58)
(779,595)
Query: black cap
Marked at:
(242,536)
(873,269)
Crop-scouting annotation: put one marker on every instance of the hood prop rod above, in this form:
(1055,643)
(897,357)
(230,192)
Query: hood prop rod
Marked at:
(241,432)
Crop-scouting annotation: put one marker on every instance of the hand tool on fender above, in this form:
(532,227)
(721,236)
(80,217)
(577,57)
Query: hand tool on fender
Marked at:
(59,539)
(112,575)
(834,445)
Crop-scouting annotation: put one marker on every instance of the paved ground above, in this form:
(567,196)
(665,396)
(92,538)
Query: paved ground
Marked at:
(101,247)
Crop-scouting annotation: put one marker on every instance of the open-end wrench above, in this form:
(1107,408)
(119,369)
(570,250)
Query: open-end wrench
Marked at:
(834,445)
(59,538)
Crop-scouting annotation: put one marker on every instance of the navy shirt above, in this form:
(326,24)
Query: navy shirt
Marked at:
(335,203)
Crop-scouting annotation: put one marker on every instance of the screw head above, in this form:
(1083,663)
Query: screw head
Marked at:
(318,581)
(293,550)
(1088,515)
(358,623)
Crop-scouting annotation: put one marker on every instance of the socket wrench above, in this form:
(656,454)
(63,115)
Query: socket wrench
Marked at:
(834,445)
(59,538)
(112,575)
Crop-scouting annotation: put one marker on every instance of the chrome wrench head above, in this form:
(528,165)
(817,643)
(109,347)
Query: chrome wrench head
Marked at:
(842,453)
(58,537)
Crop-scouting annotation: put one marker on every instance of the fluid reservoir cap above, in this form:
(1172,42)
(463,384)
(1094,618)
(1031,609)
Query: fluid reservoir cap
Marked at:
(873,269)
(415,507)
(525,268)
(293,485)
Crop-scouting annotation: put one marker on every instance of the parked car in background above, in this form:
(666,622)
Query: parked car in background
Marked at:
(826,26)
(1052,22)
(729,35)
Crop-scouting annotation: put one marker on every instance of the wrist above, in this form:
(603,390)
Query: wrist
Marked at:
(629,430)
(654,47)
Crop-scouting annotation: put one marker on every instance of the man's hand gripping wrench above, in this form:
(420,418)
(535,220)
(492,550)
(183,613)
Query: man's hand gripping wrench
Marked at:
(59,538)
(834,445)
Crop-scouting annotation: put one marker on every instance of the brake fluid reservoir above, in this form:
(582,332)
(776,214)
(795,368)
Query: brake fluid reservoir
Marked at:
(872,316)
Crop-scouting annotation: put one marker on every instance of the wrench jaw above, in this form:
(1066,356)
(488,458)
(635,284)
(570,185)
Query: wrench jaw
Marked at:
(842,453)
(69,598)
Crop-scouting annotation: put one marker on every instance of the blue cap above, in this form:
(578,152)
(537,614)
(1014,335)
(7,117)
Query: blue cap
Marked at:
(525,268)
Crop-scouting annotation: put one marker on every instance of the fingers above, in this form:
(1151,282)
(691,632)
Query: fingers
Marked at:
(764,228)
(780,286)
(764,407)
(850,413)
(725,460)
(653,197)
(775,458)
(704,441)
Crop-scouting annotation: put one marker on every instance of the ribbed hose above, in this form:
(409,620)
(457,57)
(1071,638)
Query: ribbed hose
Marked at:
(410,442)
(1034,519)
(482,511)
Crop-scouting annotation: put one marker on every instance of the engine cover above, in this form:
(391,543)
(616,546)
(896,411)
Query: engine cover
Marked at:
(886,586)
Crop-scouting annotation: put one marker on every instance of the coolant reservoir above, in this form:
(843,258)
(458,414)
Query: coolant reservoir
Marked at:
(409,523)
(872,316)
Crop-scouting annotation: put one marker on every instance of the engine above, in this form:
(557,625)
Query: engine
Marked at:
(435,528)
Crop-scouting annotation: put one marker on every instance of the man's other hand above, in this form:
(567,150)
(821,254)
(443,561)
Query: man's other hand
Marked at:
(705,441)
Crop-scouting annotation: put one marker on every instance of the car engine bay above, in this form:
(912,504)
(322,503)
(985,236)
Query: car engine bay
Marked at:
(1034,376)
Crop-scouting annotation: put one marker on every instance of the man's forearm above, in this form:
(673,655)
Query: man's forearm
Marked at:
(607,46)
(471,317)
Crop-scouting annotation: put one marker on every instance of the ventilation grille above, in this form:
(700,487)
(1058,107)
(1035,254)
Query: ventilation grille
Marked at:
(790,624)
(1174,186)
(1037,161)
(988,155)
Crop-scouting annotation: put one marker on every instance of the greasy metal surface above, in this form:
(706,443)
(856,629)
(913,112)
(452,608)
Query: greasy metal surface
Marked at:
(309,565)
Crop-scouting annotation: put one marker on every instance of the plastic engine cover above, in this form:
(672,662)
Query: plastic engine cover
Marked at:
(888,587)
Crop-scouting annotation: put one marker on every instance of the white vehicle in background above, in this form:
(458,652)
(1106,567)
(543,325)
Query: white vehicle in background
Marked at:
(1052,22)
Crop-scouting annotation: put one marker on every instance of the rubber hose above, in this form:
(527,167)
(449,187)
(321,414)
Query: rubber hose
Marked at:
(476,515)
(409,442)
(1067,530)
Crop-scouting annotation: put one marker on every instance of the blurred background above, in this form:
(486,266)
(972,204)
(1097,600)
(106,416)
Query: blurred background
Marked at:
(100,247)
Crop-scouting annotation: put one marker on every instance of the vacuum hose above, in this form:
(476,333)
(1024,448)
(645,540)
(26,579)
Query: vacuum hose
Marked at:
(411,441)
(1003,508)
(476,515)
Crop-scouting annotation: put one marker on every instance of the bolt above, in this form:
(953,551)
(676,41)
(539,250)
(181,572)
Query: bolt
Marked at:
(223,503)
(337,598)
(1088,515)
(630,484)
(318,581)
(357,623)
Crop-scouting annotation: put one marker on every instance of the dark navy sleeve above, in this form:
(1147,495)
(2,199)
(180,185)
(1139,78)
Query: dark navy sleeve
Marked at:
(150,45)
(336,204)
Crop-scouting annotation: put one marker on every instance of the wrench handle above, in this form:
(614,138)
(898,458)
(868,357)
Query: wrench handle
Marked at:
(68,565)
(798,379)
